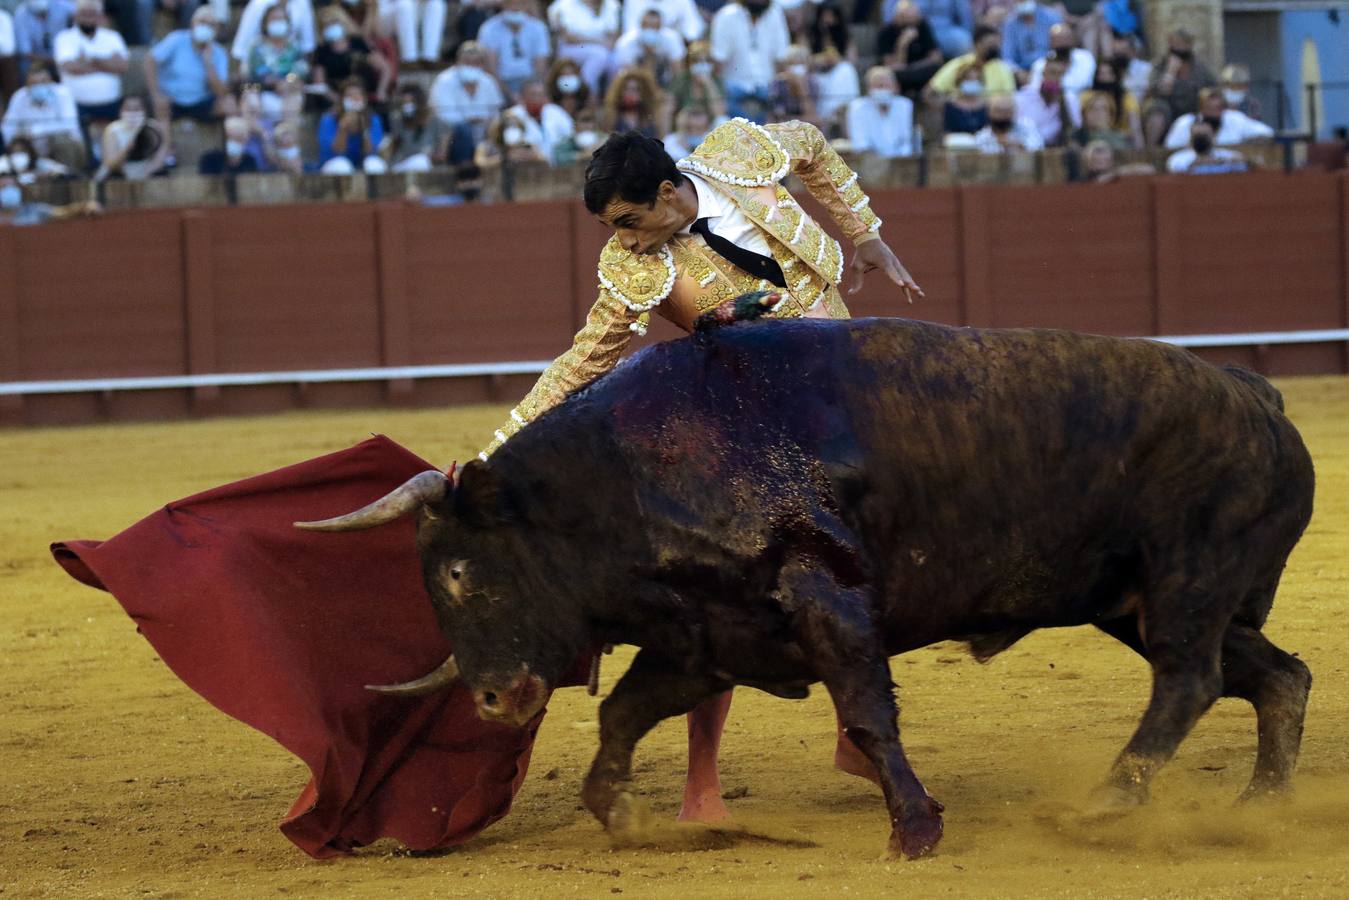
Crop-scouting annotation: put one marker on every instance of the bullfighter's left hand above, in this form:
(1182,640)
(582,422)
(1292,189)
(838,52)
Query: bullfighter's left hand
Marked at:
(878,255)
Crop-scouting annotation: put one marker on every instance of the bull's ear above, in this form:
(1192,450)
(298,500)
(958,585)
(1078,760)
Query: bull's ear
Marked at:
(478,497)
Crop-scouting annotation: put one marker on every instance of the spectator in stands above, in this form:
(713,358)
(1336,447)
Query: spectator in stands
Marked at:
(366,16)
(1025,35)
(188,71)
(698,85)
(134,146)
(284,153)
(585,32)
(1235,80)
(791,94)
(1098,165)
(507,143)
(44,112)
(417,140)
(1229,127)
(909,48)
(829,31)
(261,124)
(991,12)
(691,126)
(748,36)
(299,17)
(278,54)
(567,88)
(1177,79)
(472,15)
(467,94)
(1007,131)
(652,46)
(634,102)
(1047,106)
(92,60)
(419,25)
(835,86)
(23,160)
(517,44)
(1128,118)
(135,20)
(547,125)
(966,110)
(984,64)
(344,54)
(681,15)
(234,158)
(1202,157)
(350,136)
(1081,65)
(882,122)
(1100,122)
(16,210)
(36,25)
(953,23)
(1135,73)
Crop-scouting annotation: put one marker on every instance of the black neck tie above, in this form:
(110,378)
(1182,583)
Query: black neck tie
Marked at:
(756,264)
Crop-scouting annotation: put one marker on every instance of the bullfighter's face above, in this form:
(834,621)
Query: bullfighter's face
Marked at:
(645,228)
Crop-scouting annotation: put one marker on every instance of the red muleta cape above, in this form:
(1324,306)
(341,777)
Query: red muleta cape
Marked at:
(282,628)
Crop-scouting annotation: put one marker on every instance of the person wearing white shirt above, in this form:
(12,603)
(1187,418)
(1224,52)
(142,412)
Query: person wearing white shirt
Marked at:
(8,43)
(652,46)
(881,122)
(1201,157)
(1229,126)
(1081,71)
(748,38)
(586,31)
(1135,73)
(1007,132)
(418,24)
(519,43)
(466,93)
(681,15)
(546,125)
(836,85)
(1046,105)
(92,60)
(301,14)
(44,112)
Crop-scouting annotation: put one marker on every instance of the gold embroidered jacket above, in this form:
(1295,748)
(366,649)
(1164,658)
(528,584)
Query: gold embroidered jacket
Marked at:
(686,278)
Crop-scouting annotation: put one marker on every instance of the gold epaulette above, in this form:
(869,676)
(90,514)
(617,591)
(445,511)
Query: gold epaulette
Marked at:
(739,152)
(640,282)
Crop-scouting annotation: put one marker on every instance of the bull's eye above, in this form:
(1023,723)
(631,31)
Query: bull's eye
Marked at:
(456,573)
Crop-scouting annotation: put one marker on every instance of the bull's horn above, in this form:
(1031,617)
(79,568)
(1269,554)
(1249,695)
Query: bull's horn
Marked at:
(439,677)
(420,488)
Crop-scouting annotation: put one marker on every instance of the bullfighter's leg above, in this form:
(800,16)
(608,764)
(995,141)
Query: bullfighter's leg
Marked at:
(650,691)
(702,788)
(834,624)
(1276,684)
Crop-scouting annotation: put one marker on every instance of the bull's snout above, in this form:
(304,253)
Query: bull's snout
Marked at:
(515,703)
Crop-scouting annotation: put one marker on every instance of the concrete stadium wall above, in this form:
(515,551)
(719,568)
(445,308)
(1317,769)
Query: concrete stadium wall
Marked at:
(241,289)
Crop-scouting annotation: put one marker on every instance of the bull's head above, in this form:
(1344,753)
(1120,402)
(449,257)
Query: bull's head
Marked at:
(491,596)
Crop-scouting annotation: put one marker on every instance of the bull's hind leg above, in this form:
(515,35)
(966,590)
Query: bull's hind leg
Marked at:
(648,693)
(1276,684)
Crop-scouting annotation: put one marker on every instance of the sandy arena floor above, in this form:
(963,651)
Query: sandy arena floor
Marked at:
(119,781)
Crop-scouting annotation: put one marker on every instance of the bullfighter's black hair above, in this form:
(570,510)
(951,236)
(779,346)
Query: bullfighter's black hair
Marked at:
(630,166)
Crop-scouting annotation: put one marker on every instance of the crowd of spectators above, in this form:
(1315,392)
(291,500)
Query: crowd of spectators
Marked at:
(407,85)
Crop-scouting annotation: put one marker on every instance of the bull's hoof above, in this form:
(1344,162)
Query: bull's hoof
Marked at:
(630,819)
(1266,793)
(598,796)
(1111,801)
(916,837)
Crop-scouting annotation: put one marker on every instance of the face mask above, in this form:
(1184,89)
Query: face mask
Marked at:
(630,100)
(18,162)
(11,195)
(1202,144)
(288,152)
(534,109)
(797,69)
(971,87)
(569,83)
(38,6)
(880,93)
(134,119)
(1049,90)
(351,104)
(1025,8)
(1215,123)
(234,148)
(203,33)
(88,29)
(1121,63)
(469,74)
(1183,55)
(334,33)
(1234,98)
(513,135)
(513,17)
(587,139)
(41,93)
(1000,125)
(409,110)
(701,69)
(756,9)
(278,28)
(650,36)
(993,53)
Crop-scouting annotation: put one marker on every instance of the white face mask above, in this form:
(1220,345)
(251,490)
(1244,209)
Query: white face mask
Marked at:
(1025,8)
(797,69)
(203,33)
(351,104)
(513,135)
(1234,98)
(134,119)
(18,162)
(278,28)
(650,36)
(38,6)
(569,83)
(41,93)
(334,33)
(11,195)
(289,152)
(971,87)
(587,139)
(469,74)
(409,110)
(880,93)
(234,148)
(702,67)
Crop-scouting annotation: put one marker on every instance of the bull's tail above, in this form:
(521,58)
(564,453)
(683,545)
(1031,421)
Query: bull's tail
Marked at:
(1257,383)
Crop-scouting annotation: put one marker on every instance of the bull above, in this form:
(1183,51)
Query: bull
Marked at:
(780,504)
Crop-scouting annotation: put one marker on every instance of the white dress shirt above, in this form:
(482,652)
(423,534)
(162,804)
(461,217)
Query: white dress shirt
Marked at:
(1030,105)
(835,89)
(725,219)
(747,50)
(881,126)
(556,126)
(95,87)
(26,118)
(301,14)
(1237,128)
(681,15)
(576,18)
(1080,75)
(451,101)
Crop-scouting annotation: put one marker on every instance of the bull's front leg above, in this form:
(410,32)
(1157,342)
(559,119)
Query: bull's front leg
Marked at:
(651,691)
(836,628)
